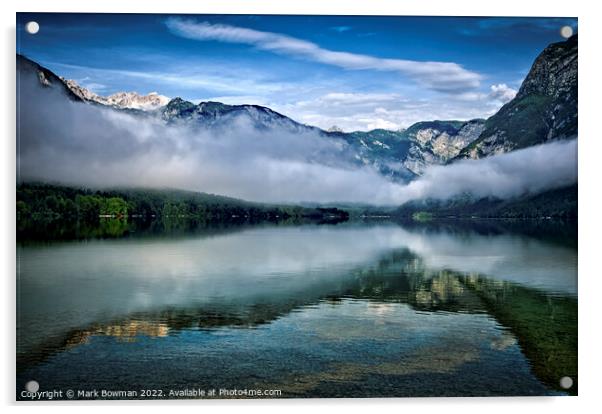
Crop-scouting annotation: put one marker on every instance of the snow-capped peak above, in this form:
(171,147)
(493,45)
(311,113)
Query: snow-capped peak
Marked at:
(131,100)
(136,101)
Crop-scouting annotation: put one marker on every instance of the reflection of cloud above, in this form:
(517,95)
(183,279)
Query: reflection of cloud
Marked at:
(380,309)
(428,360)
(504,257)
(506,340)
(422,342)
(257,273)
(440,76)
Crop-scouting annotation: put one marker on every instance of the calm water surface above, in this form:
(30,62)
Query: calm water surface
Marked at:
(350,310)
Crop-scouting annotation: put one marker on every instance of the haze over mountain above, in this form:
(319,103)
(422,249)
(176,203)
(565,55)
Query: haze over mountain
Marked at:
(72,135)
(401,155)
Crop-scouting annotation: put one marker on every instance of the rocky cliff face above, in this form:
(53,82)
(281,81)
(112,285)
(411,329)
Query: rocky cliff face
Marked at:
(544,109)
(122,100)
(436,142)
(134,100)
(28,70)
(407,153)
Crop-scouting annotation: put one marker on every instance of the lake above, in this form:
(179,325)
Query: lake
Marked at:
(377,309)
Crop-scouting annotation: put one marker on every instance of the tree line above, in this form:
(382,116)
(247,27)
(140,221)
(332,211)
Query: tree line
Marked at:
(39,201)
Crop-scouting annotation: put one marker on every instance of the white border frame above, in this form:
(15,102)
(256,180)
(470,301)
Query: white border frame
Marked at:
(590,201)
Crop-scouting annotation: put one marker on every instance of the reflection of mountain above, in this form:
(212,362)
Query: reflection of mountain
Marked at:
(125,330)
(546,326)
(562,233)
(398,277)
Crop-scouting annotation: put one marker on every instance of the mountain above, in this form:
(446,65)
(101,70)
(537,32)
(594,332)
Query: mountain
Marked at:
(445,139)
(28,70)
(556,203)
(544,109)
(415,148)
(219,115)
(133,100)
(439,141)
(123,100)
(400,155)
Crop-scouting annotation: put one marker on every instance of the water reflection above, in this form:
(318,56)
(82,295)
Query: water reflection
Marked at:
(311,310)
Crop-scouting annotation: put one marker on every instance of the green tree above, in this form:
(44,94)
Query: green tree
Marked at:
(114,206)
(88,206)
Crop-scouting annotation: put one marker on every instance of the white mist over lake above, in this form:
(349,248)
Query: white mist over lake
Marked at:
(79,144)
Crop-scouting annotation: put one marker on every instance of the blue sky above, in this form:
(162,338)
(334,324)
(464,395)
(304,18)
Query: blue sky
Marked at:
(353,72)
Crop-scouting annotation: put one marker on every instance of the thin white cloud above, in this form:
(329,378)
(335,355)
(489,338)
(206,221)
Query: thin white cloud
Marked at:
(179,77)
(353,111)
(339,98)
(341,29)
(313,101)
(446,77)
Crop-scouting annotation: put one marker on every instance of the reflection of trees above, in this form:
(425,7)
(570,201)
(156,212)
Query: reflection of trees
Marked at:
(113,227)
(561,232)
(398,277)
(75,230)
(164,227)
(546,326)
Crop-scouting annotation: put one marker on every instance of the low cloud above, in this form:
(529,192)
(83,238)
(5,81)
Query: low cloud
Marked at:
(498,94)
(81,144)
(447,77)
(526,171)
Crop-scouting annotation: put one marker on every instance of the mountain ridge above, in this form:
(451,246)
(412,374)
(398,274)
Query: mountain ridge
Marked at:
(543,110)
(122,100)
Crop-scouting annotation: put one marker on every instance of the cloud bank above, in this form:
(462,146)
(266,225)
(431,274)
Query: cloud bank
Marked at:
(80,144)
(526,171)
(445,77)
